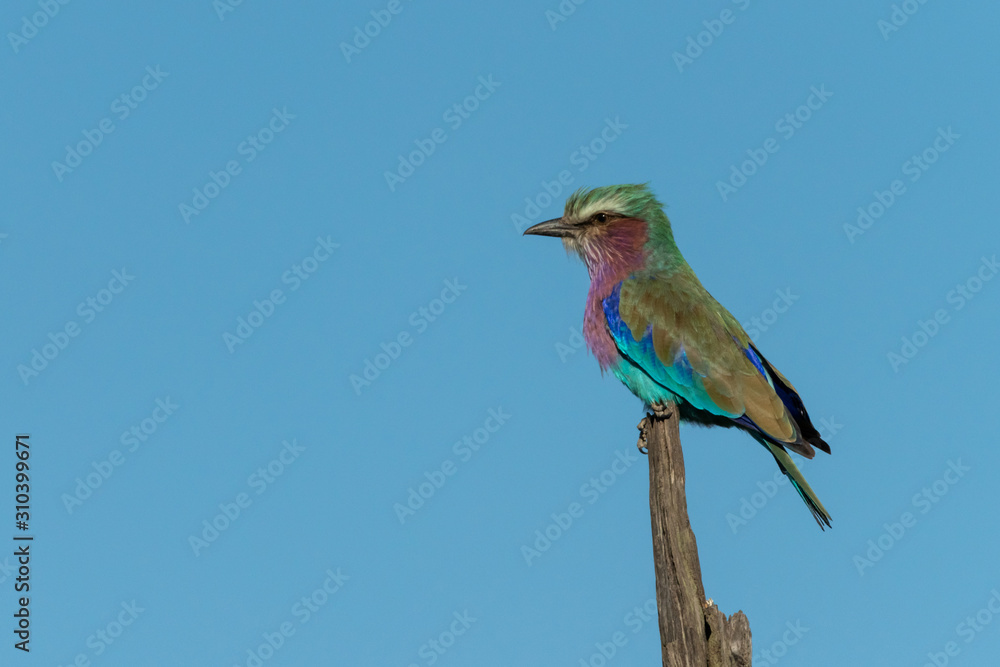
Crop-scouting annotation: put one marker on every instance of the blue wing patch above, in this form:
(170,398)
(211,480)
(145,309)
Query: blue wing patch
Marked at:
(754,359)
(679,379)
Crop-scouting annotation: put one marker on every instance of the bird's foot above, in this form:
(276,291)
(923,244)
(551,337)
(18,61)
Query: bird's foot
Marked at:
(643,426)
(662,410)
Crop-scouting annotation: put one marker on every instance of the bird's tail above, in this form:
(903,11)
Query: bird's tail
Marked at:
(799,482)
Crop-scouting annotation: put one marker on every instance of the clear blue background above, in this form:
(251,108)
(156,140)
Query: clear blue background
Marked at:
(496,346)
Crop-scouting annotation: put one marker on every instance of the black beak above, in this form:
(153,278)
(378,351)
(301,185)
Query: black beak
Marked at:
(554,227)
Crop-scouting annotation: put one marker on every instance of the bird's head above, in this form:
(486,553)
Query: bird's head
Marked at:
(610,225)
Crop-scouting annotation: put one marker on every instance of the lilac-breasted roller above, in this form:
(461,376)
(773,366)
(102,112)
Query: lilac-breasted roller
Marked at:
(651,322)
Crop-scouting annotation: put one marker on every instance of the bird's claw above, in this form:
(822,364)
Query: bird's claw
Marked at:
(642,426)
(662,410)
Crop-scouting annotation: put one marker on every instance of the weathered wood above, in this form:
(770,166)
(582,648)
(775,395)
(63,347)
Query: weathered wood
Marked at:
(693,632)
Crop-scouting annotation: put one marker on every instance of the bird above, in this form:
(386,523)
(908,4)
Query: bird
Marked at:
(650,321)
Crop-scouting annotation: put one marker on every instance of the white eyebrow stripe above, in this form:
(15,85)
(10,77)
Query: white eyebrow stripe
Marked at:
(605,204)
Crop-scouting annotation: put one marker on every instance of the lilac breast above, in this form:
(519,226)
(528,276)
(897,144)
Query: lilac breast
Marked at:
(595,328)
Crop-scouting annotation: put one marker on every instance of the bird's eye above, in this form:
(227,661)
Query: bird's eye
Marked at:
(601,217)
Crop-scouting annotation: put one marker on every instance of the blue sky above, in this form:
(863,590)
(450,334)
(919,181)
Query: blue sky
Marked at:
(214,219)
